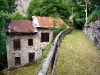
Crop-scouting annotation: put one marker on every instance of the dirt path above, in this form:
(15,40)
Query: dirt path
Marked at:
(77,56)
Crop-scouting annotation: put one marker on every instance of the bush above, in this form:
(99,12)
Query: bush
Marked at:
(45,52)
(56,31)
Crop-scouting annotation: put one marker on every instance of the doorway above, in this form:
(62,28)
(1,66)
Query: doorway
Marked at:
(31,57)
(17,61)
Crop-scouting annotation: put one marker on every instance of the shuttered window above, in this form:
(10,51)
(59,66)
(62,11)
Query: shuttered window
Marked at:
(30,42)
(99,29)
(16,44)
(44,37)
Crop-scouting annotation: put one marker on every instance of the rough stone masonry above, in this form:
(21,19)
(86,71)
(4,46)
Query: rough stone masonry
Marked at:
(92,30)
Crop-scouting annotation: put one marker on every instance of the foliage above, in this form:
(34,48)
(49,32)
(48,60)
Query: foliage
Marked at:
(12,6)
(77,12)
(56,31)
(2,73)
(77,8)
(90,3)
(3,6)
(79,20)
(17,16)
(2,38)
(45,51)
(95,14)
(6,6)
(56,8)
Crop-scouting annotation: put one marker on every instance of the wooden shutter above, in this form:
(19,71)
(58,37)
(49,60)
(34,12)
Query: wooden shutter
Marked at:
(16,44)
(30,42)
(44,37)
(99,29)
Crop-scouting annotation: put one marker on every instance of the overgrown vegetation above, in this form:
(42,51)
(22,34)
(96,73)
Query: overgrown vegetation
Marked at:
(17,16)
(2,73)
(95,14)
(52,8)
(56,31)
(7,7)
(2,40)
(77,9)
(45,51)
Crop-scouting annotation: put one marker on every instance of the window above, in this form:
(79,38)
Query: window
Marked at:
(16,44)
(99,29)
(30,42)
(17,61)
(44,37)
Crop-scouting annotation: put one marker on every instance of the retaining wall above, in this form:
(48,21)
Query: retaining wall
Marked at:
(92,30)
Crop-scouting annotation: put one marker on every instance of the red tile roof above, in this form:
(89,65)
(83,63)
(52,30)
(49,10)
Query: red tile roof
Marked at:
(47,22)
(24,26)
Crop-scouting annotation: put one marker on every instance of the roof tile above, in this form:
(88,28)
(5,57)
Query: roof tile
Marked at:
(47,22)
(21,26)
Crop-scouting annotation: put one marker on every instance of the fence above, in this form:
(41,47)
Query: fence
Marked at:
(52,55)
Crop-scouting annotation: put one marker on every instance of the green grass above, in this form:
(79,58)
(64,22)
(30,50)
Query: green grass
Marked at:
(33,68)
(77,56)
(2,73)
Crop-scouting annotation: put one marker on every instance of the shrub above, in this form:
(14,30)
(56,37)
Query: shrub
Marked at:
(56,31)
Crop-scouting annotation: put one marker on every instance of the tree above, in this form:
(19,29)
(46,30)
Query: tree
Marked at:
(77,11)
(92,4)
(3,9)
(4,6)
(17,16)
(12,6)
(55,8)
(77,7)
(2,38)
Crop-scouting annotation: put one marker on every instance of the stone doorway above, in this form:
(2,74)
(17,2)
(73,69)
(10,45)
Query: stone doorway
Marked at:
(17,61)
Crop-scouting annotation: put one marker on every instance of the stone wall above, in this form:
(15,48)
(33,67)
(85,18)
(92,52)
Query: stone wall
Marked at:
(92,30)
(37,47)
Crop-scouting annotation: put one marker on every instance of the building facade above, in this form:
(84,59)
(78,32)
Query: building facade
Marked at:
(26,40)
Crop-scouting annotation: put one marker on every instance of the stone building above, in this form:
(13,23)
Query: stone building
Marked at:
(26,39)
(92,30)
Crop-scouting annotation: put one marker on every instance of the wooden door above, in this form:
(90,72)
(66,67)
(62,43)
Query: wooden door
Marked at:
(31,57)
(17,61)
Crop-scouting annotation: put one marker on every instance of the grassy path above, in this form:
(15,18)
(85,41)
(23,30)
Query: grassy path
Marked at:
(77,56)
